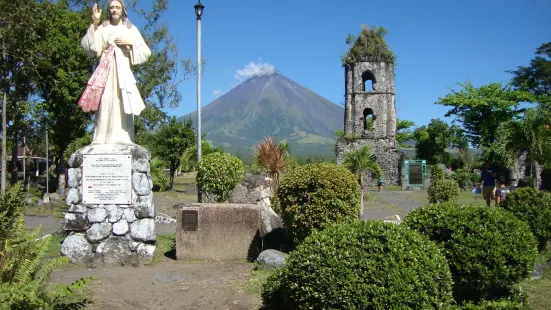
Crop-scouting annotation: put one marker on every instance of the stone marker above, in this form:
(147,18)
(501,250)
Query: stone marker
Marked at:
(218,232)
(121,229)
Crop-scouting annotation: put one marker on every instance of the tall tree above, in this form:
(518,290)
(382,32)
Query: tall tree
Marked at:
(480,110)
(63,70)
(535,77)
(432,141)
(18,25)
(172,139)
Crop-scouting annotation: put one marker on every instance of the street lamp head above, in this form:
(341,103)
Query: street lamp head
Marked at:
(199,9)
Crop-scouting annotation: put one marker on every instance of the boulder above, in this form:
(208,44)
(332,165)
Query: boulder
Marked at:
(77,249)
(143,230)
(272,259)
(76,222)
(98,231)
(116,252)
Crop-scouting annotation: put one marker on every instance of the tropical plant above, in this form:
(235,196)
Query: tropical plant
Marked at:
(527,135)
(25,273)
(273,157)
(359,162)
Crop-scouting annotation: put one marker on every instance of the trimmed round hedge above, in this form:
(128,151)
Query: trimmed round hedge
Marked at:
(489,250)
(315,196)
(218,173)
(533,207)
(362,265)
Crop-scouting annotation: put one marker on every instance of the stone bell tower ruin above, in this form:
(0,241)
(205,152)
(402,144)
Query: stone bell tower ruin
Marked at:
(370,111)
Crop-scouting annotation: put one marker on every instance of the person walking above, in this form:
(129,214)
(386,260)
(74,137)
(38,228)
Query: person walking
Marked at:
(488,182)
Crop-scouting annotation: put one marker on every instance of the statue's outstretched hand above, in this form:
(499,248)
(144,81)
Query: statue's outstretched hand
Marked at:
(96,14)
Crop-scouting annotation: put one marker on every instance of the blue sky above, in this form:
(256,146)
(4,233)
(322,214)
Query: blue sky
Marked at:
(437,43)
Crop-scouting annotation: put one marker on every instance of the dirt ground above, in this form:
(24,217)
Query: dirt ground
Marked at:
(167,285)
(173,284)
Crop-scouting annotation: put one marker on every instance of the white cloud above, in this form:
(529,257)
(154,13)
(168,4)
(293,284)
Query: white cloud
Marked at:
(217,92)
(254,69)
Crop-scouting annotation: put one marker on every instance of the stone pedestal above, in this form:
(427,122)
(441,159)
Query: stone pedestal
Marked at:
(111,234)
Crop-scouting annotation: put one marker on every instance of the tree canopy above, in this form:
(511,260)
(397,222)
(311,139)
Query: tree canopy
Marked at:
(480,110)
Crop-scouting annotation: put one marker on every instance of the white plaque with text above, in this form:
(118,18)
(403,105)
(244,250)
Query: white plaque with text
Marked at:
(107,179)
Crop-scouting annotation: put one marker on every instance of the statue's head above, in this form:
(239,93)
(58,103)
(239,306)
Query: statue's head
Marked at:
(116,9)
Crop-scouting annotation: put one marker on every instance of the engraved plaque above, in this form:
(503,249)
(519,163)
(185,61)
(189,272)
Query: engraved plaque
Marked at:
(107,179)
(190,220)
(416,174)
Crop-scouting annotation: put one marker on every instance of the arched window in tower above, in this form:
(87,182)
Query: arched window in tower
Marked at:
(368,81)
(369,119)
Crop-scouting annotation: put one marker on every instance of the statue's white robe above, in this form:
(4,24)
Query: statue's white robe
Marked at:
(120,101)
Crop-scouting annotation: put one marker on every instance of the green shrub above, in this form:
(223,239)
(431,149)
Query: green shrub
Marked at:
(533,207)
(436,173)
(218,173)
(475,177)
(24,272)
(463,178)
(489,250)
(442,190)
(362,265)
(158,176)
(315,196)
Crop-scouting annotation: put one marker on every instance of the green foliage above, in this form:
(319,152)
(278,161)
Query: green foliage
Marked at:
(463,178)
(530,134)
(314,196)
(362,265)
(536,78)
(159,178)
(533,207)
(475,177)
(189,158)
(370,45)
(25,273)
(404,132)
(77,144)
(170,142)
(361,161)
(443,190)
(488,250)
(218,173)
(432,141)
(481,110)
(440,189)
(63,71)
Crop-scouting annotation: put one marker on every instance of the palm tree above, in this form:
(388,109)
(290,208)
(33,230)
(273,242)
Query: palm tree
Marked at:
(273,157)
(527,135)
(359,162)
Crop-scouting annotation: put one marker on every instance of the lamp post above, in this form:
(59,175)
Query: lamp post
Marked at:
(199,7)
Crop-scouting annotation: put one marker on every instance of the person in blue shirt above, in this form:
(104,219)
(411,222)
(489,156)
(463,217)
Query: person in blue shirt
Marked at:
(488,177)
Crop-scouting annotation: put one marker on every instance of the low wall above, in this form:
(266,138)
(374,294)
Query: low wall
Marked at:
(216,232)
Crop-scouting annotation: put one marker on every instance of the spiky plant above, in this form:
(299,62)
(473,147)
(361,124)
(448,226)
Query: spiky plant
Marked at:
(25,272)
(273,157)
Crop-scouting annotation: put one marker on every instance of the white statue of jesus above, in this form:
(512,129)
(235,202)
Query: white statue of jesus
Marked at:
(112,91)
